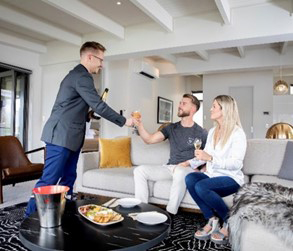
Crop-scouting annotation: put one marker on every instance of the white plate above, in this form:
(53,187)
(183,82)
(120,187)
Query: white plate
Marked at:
(98,223)
(128,202)
(151,218)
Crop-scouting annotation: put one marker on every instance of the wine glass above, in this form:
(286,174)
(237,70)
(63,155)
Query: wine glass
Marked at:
(136,115)
(197,143)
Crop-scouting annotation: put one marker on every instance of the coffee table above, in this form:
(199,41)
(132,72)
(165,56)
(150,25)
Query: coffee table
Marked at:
(77,233)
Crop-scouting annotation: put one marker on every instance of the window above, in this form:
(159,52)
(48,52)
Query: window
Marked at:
(13,103)
(198,116)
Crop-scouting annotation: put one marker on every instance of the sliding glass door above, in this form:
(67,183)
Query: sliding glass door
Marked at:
(20,106)
(13,93)
(7,103)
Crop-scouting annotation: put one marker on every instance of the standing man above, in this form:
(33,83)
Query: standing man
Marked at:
(181,136)
(65,129)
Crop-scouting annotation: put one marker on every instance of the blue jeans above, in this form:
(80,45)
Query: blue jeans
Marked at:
(60,167)
(208,192)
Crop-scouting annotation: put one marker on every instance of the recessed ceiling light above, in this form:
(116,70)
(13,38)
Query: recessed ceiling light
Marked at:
(118,3)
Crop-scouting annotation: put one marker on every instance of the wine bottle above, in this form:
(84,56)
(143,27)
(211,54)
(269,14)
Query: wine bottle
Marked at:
(91,113)
(105,94)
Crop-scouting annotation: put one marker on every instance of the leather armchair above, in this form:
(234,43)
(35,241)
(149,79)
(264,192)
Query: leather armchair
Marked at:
(15,167)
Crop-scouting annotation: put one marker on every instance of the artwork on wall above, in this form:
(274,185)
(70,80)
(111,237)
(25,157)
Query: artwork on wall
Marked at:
(165,111)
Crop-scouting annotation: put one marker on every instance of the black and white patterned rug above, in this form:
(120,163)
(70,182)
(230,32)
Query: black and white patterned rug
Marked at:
(180,238)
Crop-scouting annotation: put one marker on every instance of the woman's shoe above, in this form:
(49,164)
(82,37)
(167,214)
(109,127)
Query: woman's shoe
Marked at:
(202,234)
(219,238)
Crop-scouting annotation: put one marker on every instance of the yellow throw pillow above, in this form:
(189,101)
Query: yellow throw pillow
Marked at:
(115,152)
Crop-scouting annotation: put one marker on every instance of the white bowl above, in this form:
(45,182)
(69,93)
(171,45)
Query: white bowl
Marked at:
(128,202)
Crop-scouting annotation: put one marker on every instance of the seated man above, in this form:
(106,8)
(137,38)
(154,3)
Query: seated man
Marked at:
(181,136)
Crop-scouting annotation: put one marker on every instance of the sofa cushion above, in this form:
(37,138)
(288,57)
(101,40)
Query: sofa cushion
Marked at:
(152,154)
(272,179)
(264,156)
(116,179)
(286,171)
(115,152)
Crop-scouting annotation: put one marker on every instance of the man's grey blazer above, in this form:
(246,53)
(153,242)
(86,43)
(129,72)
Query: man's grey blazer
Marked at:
(67,122)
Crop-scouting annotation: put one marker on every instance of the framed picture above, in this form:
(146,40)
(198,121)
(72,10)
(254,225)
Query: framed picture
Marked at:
(165,111)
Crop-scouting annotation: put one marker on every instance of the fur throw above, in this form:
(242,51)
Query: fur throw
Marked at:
(268,204)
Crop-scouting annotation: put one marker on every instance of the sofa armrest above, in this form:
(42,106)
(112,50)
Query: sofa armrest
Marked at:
(87,161)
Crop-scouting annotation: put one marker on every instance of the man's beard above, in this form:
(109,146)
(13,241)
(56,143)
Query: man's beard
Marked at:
(182,114)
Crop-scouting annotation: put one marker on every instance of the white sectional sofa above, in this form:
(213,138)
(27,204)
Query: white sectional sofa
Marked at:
(261,164)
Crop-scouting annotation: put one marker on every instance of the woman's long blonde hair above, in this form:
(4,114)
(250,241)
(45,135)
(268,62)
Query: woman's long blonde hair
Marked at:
(230,117)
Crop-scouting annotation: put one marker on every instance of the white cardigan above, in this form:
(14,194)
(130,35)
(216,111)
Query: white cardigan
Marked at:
(227,161)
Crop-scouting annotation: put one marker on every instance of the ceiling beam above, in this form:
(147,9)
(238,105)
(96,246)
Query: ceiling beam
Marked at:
(241,51)
(12,40)
(155,11)
(36,25)
(170,58)
(225,10)
(85,13)
(203,54)
(262,59)
(19,19)
(284,47)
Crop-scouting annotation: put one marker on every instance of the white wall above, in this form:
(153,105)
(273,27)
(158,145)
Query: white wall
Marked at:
(193,83)
(129,91)
(52,77)
(143,94)
(28,60)
(262,83)
(283,104)
(283,109)
(116,79)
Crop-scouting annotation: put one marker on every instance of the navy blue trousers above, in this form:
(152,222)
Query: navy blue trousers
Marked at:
(60,168)
(208,192)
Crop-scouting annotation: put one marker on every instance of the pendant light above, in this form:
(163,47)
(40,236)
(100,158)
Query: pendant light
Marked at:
(281,87)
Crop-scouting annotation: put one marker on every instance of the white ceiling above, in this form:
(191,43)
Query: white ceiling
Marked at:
(170,30)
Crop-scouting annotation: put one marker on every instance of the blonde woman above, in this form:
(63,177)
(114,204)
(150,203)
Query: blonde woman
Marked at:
(223,154)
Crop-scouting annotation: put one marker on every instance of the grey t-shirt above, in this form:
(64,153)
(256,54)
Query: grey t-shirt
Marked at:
(181,141)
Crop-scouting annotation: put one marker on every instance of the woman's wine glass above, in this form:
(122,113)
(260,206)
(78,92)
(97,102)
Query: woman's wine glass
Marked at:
(197,143)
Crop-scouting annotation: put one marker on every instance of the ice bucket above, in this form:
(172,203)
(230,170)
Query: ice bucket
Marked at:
(50,202)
